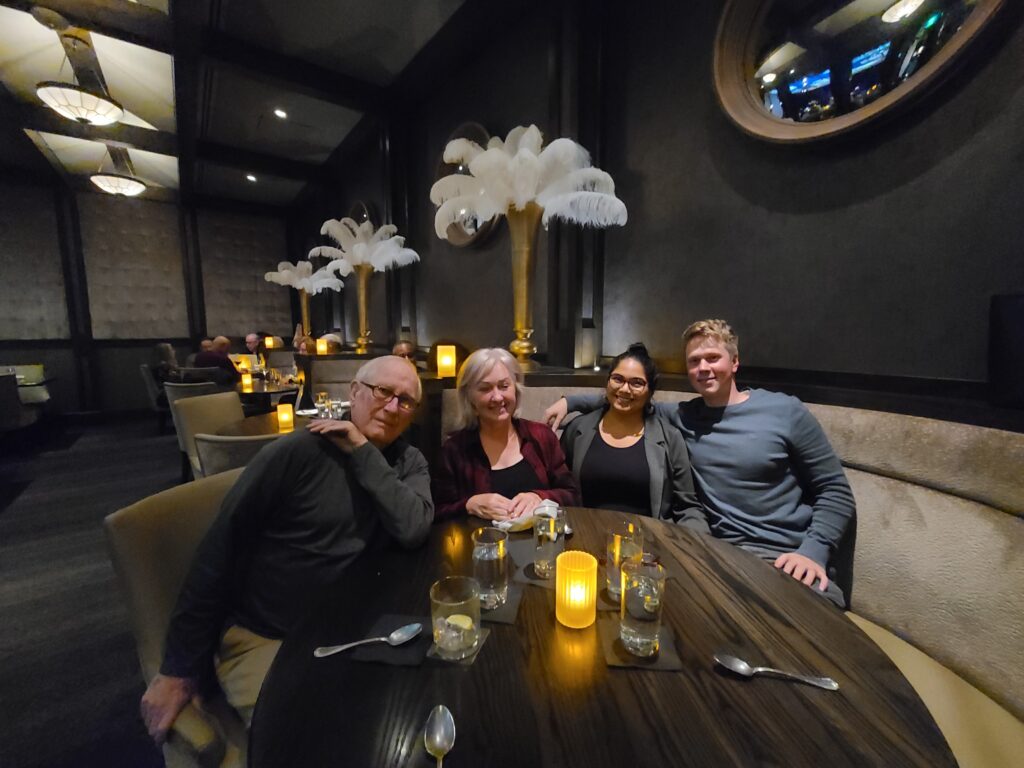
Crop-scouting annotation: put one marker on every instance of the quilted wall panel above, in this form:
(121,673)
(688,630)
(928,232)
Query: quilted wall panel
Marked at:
(237,251)
(132,251)
(32,302)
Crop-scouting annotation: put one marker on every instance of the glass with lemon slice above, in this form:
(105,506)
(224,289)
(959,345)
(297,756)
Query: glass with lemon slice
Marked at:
(455,616)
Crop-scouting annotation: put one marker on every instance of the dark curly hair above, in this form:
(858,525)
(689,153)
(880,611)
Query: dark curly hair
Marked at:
(637,351)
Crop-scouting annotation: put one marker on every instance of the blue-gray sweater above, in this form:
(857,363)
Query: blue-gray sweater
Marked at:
(764,470)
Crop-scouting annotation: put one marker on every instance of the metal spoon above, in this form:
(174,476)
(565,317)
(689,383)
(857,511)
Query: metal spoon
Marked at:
(399,636)
(439,733)
(740,667)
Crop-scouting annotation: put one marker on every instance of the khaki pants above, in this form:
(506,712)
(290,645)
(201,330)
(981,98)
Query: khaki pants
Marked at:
(243,660)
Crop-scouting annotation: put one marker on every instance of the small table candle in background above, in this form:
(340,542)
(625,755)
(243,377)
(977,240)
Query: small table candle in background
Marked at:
(285,417)
(247,382)
(445,360)
(321,346)
(268,342)
(576,589)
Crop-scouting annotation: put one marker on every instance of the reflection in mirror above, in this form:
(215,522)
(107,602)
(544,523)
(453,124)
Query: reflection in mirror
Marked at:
(798,63)
(469,230)
(819,61)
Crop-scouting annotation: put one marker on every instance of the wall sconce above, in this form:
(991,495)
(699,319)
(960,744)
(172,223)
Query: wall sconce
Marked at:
(247,382)
(321,346)
(576,589)
(445,361)
(269,342)
(285,417)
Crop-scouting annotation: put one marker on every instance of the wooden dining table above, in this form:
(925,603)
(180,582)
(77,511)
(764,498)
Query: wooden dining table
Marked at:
(261,424)
(540,694)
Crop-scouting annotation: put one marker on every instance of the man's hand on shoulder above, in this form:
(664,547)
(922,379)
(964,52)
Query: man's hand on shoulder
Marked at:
(802,568)
(556,413)
(163,701)
(343,434)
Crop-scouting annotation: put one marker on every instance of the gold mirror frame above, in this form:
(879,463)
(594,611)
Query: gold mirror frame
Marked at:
(734,63)
(458,235)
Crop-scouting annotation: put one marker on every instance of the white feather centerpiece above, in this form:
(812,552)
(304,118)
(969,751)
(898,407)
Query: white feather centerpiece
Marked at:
(308,282)
(364,250)
(529,184)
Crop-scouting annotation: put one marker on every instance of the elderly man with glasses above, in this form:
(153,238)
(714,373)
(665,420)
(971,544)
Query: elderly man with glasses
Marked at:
(303,509)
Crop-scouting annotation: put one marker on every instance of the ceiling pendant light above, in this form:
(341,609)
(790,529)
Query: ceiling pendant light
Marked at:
(118,184)
(78,104)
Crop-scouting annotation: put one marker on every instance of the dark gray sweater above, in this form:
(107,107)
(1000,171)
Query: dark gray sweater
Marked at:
(764,471)
(299,514)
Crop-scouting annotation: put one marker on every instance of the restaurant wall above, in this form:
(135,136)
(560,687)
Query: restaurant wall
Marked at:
(465,294)
(874,255)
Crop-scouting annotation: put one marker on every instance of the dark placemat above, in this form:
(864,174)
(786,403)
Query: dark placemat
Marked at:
(507,613)
(410,654)
(526,575)
(466,662)
(521,549)
(615,655)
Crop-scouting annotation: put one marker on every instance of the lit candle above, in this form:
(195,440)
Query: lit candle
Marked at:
(247,382)
(576,589)
(285,417)
(269,342)
(445,360)
(321,346)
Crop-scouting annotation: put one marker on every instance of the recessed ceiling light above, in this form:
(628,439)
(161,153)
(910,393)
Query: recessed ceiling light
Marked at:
(250,177)
(280,113)
(769,78)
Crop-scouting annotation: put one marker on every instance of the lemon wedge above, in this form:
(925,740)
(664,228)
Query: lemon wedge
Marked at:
(461,620)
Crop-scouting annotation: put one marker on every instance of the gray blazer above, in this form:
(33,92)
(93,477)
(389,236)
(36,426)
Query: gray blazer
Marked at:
(672,493)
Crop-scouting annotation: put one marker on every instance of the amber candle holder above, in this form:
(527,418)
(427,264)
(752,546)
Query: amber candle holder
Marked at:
(268,342)
(247,382)
(445,361)
(285,417)
(576,589)
(321,346)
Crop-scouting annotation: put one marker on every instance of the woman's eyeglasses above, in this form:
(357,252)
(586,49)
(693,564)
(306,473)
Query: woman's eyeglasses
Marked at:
(637,385)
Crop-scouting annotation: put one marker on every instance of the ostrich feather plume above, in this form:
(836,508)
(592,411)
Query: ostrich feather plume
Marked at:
(302,277)
(361,244)
(518,170)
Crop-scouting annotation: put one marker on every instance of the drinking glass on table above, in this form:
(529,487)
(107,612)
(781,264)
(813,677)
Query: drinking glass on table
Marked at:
(455,616)
(490,566)
(337,409)
(643,590)
(625,542)
(323,405)
(548,540)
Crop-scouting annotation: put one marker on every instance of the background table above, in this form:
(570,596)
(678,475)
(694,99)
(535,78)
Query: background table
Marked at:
(263,424)
(541,694)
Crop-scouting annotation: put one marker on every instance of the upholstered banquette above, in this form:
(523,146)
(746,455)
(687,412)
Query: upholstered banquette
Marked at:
(939,561)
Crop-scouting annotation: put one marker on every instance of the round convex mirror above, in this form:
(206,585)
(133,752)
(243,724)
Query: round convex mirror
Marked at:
(799,70)
(469,230)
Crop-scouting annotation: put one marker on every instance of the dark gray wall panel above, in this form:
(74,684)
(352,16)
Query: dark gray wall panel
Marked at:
(237,251)
(874,255)
(32,303)
(121,387)
(132,251)
(465,294)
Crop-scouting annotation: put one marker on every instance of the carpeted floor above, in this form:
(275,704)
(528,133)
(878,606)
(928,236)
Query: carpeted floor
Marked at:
(69,676)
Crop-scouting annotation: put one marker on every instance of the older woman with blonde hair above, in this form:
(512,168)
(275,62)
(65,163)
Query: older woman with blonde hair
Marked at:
(498,466)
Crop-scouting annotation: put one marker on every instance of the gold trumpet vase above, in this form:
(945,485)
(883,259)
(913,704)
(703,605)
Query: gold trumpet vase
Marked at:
(304,307)
(363,272)
(523,226)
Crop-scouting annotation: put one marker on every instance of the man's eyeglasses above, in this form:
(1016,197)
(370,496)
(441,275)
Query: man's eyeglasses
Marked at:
(386,395)
(637,385)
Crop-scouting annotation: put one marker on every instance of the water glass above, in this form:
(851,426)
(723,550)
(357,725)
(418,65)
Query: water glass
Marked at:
(643,591)
(323,405)
(337,409)
(455,616)
(490,566)
(625,542)
(549,541)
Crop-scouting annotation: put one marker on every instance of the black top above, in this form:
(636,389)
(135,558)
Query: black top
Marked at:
(616,478)
(511,481)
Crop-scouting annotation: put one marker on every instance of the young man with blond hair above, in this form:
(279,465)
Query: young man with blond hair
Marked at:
(764,470)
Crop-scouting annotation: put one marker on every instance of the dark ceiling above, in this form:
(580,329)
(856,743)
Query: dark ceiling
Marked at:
(327,64)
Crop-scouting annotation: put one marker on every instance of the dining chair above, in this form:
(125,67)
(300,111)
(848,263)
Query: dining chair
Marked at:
(153,392)
(219,453)
(13,413)
(32,374)
(206,415)
(152,544)
(176,392)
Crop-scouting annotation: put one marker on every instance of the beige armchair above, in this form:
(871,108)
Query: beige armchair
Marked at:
(152,544)
(206,415)
(176,392)
(219,453)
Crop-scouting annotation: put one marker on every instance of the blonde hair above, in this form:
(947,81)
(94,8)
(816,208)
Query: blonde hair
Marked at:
(473,370)
(718,330)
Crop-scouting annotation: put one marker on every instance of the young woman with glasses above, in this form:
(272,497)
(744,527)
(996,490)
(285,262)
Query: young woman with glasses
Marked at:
(498,466)
(624,456)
